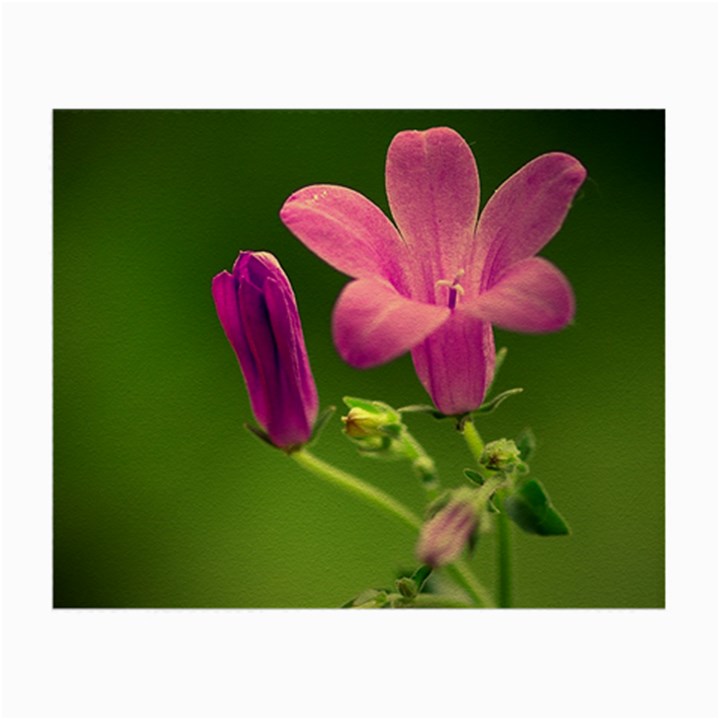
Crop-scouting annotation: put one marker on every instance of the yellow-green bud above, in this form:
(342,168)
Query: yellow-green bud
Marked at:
(360,423)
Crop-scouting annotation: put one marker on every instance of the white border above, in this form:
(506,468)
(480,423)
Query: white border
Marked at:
(325,664)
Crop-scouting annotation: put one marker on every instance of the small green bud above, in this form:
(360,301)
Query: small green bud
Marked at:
(501,455)
(407,587)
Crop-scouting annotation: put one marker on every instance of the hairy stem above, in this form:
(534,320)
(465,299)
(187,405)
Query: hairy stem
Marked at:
(473,439)
(459,571)
(462,574)
(504,561)
(357,487)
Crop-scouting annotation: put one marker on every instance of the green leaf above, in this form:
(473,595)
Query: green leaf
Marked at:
(474,476)
(529,507)
(492,405)
(421,575)
(526,443)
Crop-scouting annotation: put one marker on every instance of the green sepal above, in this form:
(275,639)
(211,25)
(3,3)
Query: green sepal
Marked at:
(320,424)
(492,508)
(393,430)
(500,356)
(352,402)
(473,540)
(373,406)
(380,447)
(526,444)
(260,434)
(530,508)
(492,405)
(461,418)
(438,504)
(427,409)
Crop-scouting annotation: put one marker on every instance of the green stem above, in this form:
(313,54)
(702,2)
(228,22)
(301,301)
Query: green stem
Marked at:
(486,492)
(423,465)
(462,574)
(357,487)
(373,496)
(473,439)
(504,561)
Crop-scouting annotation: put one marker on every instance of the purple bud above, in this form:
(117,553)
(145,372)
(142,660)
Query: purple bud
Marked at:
(257,309)
(444,536)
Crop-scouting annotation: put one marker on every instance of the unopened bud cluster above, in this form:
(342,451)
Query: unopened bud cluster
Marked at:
(502,456)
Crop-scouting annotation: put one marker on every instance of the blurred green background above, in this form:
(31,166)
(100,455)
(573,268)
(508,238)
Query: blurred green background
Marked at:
(161,499)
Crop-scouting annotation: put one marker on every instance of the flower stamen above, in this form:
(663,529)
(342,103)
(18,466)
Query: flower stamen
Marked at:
(454,286)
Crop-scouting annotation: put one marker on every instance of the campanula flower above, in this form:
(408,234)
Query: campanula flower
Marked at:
(437,281)
(257,309)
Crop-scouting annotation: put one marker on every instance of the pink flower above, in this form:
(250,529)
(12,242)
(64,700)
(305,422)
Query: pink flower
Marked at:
(257,309)
(437,283)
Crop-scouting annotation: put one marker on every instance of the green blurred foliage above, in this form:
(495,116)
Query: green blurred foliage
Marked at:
(160,497)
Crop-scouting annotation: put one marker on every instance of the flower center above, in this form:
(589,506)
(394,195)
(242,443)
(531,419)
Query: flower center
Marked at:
(454,288)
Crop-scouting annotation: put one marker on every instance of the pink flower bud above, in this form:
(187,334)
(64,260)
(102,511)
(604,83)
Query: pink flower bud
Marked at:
(258,311)
(445,535)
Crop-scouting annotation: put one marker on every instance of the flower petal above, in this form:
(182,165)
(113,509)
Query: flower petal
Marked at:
(225,294)
(525,212)
(434,193)
(347,231)
(295,403)
(456,363)
(373,324)
(532,296)
(260,364)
